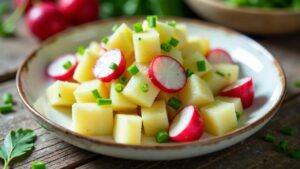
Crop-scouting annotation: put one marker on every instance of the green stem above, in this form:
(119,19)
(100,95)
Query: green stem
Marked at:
(6,165)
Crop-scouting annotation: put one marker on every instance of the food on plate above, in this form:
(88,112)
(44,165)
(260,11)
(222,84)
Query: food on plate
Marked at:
(153,81)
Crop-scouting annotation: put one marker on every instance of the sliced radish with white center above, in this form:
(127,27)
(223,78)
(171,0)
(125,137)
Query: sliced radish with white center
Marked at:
(187,125)
(216,56)
(167,74)
(110,65)
(243,88)
(63,67)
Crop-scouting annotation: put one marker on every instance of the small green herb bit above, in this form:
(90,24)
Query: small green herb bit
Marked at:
(145,87)
(7,98)
(81,50)
(115,27)
(102,101)
(269,138)
(38,165)
(113,66)
(172,23)
(295,154)
(138,27)
(220,73)
(67,65)
(152,21)
(282,146)
(133,70)
(287,131)
(189,73)
(16,144)
(166,47)
(162,137)
(173,42)
(123,80)
(201,66)
(174,103)
(119,87)
(6,108)
(238,115)
(297,83)
(105,39)
(96,94)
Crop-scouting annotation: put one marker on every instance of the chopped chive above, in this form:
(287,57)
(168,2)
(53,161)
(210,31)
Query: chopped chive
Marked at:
(96,94)
(220,73)
(59,95)
(269,138)
(238,115)
(133,69)
(140,38)
(67,65)
(38,165)
(166,47)
(295,154)
(102,101)
(6,108)
(173,42)
(105,39)
(145,87)
(228,74)
(162,137)
(81,50)
(287,131)
(138,27)
(282,146)
(119,87)
(115,27)
(172,23)
(297,83)
(123,80)
(113,66)
(189,73)
(201,65)
(152,21)
(174,103)
(7,98)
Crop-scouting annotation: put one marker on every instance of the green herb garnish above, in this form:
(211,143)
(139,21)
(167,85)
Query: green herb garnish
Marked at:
(166,47)
(133,70)
(119,87)
(152,21)
(297,83)
(162,137)
(269,138)
(201,65)
(6,108)
(67,65)
(123,80)
(172,23)
(238,115)
(105,39)
(189,73)
(80,50)
(113,66)
(96,94)
(173,42)
(145,87)
(7,98)
(102,101)
(295,154)
(138,27)
(287,131)
(174,103)
(282,146)
(220,73)
(38,165)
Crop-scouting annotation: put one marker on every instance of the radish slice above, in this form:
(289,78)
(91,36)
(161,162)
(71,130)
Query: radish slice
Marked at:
(56,69)
(187,125)
(243,88)
(103,68)
(216,56)
(167,74)
(103,46)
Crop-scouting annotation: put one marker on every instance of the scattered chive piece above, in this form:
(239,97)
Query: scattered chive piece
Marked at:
(287,131)
(282,146)
(96,94)
(269,138)
(189,73)
(113,66)
(140,38)
(81,50)
(295,154)
(138,27)
(174,103)
(119,87)
(38,165)
(6,108)
(166,47)
(105,39)
(115,27)
(133,69)
(123,80)
(145,87)
(172,23)
(67,65)
(152,21)
(220,73)
(201,66)
(173,42)
(297,83)
(162,137)
(238,115)
(7,98)
(59,95)
(228,74)
(102,101)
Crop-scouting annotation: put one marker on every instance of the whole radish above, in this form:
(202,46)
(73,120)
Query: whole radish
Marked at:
(45,20)
(29,3)
(79,11)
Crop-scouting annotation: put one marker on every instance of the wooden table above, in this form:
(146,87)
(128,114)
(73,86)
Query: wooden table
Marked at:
(249,154)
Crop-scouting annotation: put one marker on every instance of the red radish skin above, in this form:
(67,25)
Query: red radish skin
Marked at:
(56,70)
(102,68)
(45,20)
(29,4)
(167,74)
(218,55)
(243,88)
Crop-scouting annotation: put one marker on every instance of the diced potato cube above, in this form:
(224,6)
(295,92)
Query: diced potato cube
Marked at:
(165,31)
(122,39)
(231,71)
(235,100)
(204,45)
(215,81)
(83,94)
(92,119)
(119,101)
(174,53)
(143,68)
(196,44)
(219,118)
(191,63)
(155,118)
(128,129)
(133,90)
(146,46)
(95,48)
(61,93)
(166,96)
(180,33)
(196,92)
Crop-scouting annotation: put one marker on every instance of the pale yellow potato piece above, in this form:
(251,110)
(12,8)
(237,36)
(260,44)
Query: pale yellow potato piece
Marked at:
(196,92)
(215,81)
(91,119)
(166,96)
(146,46)
(196,44)
(165,31)
(83,94)
(119,101)
(219,118)
(235,100)
(180,33)
(174,53)
(128,129)
(231,71)
(191,63)
(135,94)
(60,93)
(155,118)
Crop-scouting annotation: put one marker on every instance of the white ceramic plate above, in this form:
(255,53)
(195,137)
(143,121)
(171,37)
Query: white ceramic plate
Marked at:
(253,59)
